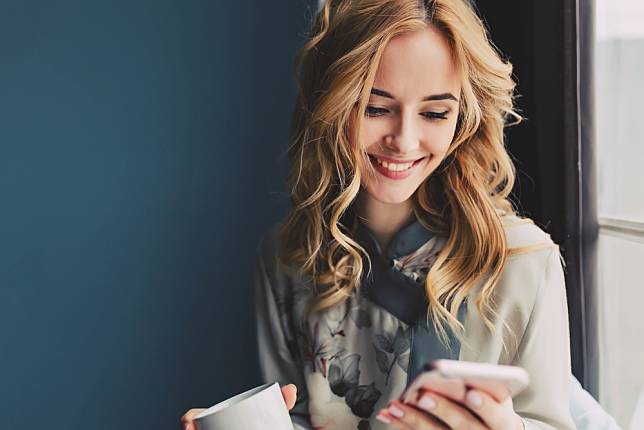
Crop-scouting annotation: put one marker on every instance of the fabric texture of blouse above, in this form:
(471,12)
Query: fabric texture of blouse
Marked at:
(349,361)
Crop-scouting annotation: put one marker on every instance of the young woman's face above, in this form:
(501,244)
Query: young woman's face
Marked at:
(411,116)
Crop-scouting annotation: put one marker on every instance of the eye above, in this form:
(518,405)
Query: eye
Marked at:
(374,111)
(436,115)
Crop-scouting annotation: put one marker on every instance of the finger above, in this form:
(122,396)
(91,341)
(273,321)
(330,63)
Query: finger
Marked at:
(389,419)
(409,418)
(289,392)
(450,412)
(189,416)
(494,414)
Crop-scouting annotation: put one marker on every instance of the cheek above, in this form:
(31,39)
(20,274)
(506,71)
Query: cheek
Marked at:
(437,141)
(372,133)
(437,145)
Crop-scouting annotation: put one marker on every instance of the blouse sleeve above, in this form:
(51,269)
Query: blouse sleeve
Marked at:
(277,363)
(544,351)
(587,413)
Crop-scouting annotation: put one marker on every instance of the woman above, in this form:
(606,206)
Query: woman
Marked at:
(401,245)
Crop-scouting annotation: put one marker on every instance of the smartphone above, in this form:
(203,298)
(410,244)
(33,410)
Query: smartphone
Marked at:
(452,378)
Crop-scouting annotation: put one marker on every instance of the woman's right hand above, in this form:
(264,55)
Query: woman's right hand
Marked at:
(289,392)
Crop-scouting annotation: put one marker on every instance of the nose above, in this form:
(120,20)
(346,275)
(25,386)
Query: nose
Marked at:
(404,134)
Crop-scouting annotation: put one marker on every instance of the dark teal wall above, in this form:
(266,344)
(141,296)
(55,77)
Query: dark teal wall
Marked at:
(142,154)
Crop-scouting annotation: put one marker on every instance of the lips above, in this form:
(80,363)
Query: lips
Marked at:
(397,174)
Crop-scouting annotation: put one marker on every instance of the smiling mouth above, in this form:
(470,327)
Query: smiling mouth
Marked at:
(395,171)
(394,167)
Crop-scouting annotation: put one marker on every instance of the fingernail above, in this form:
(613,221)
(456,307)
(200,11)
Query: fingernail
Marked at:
(187,427)
(427,403)
(396,412)
(383,418)
(474,399)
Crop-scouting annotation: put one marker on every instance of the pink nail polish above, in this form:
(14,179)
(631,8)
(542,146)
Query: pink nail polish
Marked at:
(474,399)
(396,412)
(383,418)
(426,403)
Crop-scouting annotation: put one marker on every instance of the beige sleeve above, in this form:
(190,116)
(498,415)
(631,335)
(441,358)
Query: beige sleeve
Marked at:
(277,364)
(544,351)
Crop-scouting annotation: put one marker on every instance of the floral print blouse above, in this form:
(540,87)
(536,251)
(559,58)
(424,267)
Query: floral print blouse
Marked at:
(349,361)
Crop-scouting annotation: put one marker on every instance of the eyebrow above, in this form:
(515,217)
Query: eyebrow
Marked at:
(444,96)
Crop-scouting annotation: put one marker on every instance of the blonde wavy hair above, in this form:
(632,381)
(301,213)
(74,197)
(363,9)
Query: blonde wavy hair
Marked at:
(467,194)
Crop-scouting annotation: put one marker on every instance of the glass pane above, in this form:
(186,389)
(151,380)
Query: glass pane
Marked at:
(619,92)
(621,321)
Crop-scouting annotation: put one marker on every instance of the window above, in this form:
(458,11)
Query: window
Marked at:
(619,92)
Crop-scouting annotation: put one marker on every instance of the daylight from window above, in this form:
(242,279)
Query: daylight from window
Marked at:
(619,91)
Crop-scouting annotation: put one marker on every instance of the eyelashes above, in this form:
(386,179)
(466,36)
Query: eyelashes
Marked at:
(372,111)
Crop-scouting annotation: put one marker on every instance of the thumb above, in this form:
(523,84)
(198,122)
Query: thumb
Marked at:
(289,392)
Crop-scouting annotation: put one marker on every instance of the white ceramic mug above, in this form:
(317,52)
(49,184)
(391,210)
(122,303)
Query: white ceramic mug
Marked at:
(259,408)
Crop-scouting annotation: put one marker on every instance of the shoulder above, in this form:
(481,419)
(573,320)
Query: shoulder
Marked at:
(268,252)
(532,257)
(523,235)
(267,246)
(531,279)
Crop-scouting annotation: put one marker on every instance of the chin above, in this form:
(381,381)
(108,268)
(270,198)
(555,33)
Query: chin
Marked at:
(390,196)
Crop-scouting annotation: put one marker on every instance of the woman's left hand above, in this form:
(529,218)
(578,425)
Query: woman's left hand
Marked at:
(480,411)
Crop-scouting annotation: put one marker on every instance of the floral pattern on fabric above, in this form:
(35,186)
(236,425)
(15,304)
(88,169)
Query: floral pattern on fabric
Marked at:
(416,264)
(341,368)
(355,355)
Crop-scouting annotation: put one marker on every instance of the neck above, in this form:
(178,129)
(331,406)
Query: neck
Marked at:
(383,219)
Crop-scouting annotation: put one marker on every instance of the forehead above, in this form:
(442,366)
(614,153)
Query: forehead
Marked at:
(416,64)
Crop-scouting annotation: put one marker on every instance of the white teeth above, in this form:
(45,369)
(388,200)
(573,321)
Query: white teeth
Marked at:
(394,167)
